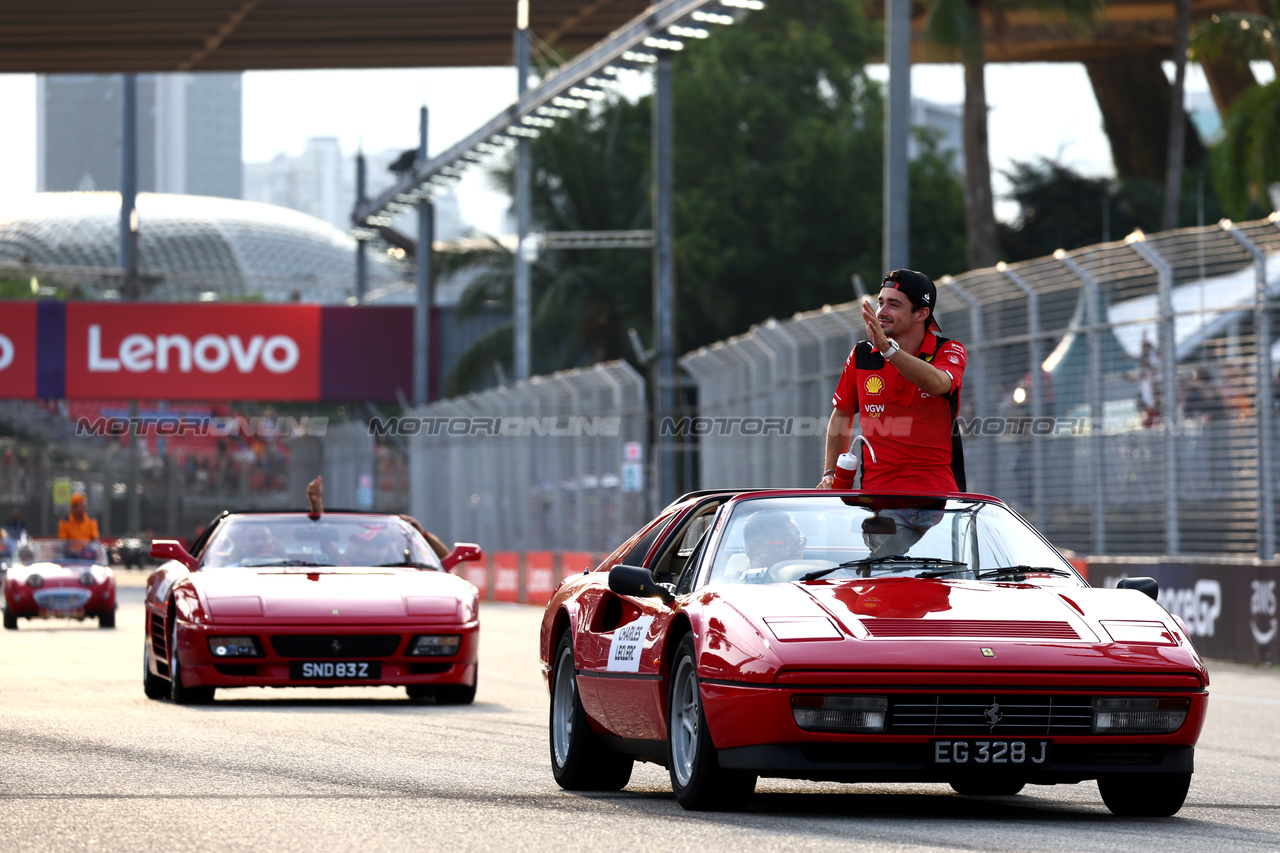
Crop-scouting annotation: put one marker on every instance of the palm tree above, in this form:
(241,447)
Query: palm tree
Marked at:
(590,173)
(1247,159)
(961,24)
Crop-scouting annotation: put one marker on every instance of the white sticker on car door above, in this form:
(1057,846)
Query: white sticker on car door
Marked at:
(628,644)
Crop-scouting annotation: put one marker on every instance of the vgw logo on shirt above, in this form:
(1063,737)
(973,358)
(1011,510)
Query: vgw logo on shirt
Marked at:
(873,410)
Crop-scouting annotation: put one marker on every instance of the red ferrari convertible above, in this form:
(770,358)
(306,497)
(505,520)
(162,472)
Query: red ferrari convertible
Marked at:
(59,579)
(859,637)
(286,599)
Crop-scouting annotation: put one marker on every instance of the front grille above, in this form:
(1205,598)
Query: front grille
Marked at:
(429,668)
(993,629)
(335,645)
(241,669)
(62,599)
(988,714)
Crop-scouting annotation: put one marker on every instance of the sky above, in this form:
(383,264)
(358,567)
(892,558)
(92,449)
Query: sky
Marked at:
(1037,110)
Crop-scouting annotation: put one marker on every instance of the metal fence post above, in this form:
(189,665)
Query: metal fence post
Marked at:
(1169,383)
(1093,392)
(981,397)
(1262,354)
(1036,379)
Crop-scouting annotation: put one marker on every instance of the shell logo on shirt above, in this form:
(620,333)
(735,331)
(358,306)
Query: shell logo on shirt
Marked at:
(874,385)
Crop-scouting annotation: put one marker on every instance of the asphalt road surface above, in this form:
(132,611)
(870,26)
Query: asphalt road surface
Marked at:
(88,763)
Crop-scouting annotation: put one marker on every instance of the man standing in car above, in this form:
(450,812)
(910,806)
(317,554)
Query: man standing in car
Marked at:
(904,381)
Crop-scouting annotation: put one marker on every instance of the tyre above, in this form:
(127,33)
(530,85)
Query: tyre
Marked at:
(418,692)
(107,620)
(180,694)
(10,621)
(988,788)
(1144,795)
(455,694)
(579,761)
(697,778)
(153,686)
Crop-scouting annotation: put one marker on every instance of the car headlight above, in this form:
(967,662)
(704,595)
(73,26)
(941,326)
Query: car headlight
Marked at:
(233,647)
(35,581)
(840,713)
(1138,715)
(87,579)
(435,645)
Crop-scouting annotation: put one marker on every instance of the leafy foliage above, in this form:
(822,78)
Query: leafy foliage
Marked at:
(778,159)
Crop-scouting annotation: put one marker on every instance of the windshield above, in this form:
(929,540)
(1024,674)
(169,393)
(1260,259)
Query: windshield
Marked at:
(772,540)
(334,540)
(61,551)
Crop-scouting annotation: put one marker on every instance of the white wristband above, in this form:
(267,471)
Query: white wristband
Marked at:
(892,350)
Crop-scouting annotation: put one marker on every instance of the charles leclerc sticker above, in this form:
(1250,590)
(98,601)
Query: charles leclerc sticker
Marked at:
(628,645)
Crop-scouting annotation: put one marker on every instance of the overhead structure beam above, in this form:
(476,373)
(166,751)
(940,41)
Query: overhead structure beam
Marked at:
(572,87)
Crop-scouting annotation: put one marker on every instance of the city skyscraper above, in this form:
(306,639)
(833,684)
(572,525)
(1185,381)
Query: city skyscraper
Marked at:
(189,133)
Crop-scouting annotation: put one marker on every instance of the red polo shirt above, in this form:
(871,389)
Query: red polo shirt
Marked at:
(909,430)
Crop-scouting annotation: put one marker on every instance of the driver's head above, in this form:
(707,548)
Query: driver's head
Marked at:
(26,555)
(771,535)
(256,540)
(372,549)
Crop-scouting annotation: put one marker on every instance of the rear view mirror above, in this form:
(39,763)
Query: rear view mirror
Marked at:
(463,552)
(171,549)
(637,582)
(1147,586)
(879,525)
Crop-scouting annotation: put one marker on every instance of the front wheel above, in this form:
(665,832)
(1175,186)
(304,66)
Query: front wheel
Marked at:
(107,620)
(10,621)
(579,761)
(697,778)
(1145,795)
(180,694)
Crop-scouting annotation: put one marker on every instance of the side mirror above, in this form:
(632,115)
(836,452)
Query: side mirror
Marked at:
(1146,586)
(171,549)
(463,552)
(637,582)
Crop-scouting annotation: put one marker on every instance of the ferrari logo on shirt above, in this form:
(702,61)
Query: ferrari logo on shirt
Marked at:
(874,385)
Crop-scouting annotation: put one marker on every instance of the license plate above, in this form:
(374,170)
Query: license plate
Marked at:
(328,670)
(55,613)
(972,752)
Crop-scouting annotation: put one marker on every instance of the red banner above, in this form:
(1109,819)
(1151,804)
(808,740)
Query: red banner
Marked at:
(506,576)
(18,350)
(575,563)
(539,579)
(185,351)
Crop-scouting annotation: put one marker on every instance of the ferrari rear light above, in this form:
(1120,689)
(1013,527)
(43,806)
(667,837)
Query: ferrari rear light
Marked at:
(234,647)
(840,713)
(1134,715)
(435,645)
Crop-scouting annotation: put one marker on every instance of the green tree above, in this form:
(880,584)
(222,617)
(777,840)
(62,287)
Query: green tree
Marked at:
(779,146)
(778,138)
(1247,159)
(960,24)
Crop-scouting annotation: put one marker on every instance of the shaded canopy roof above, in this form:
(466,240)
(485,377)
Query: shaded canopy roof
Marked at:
(83,36)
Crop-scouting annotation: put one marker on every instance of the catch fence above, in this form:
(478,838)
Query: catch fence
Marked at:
(552,463)
(1121,396)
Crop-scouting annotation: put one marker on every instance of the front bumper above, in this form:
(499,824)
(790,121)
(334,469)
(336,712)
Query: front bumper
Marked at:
(200,668)
(754,729)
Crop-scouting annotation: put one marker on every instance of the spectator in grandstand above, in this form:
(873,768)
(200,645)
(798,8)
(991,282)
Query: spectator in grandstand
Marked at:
(78,525)
(315,500)
(904,382)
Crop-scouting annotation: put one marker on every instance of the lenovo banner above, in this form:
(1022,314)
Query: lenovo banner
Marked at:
(18,350)
(185,351)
